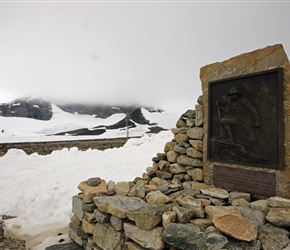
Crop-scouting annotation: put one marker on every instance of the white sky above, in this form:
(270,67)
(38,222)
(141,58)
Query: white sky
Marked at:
(121,51)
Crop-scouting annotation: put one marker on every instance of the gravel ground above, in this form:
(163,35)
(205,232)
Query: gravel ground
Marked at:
(6,243)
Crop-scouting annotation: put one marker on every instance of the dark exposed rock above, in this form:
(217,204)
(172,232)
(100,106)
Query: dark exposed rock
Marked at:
(35,108)
(191,237)
(66,246)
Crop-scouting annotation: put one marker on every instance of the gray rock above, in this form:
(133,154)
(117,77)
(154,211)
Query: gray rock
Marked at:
(89,208)
(278,202)
(257,217)
(177,169)
(147,217)
(260,205)
(191,237)
(273,237)
(183,215)
(114,241)
(279,217)
(149,239)
(189,161)
(116,222)
(235,244)
(77,207)
(118,205)
(238,195)
(65,246)
(178,149)
(164,175)
(195,133)
(101,217)
(199,115)
(94,181)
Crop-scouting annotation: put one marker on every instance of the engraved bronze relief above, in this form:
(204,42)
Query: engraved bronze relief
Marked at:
(246,120)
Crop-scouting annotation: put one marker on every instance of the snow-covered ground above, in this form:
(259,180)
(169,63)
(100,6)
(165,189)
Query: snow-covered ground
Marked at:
(13,129)
(38,189)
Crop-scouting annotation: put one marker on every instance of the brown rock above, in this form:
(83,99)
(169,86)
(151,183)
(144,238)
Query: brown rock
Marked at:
(172,156)
(236,226)
(150,239)
(181,138)
(156,197)
(90,191)
(196,144)
(88,227)
(168,217)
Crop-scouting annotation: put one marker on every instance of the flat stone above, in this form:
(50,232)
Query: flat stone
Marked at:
(116,222)
(146,217)
(169,146)
(118,205)
(236,226)
(189,161)
(195,133)
(194,204)
(122,188)
(189,236)
(172,156)
(261,205)
(150,239)
(193,153)
(100,236)
(196,174)
(177,169)
(217,211)
(197,145)
(239,195)
(278,202)
(257,217)
(77,207)
(183,215)
(88,227)
(279,217)
(90,191)
(235,244)
(199,115)
(180,150)
(203,223)
(240,202)
(156,197)
(216,192)
(65,246)
(181,137)
(273,237)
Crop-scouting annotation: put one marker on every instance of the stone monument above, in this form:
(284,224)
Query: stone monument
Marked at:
(246,137)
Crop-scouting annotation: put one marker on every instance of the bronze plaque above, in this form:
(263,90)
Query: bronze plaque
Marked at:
(246,120)
(244,180)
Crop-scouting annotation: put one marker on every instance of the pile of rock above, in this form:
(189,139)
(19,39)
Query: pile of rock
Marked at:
(170,207)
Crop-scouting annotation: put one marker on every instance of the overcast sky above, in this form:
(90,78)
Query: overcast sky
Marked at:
(147,52)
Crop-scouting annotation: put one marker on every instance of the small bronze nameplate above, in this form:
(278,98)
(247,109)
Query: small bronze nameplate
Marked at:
(244,180)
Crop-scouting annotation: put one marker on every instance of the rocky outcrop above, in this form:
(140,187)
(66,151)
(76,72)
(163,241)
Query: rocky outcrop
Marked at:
(35,108)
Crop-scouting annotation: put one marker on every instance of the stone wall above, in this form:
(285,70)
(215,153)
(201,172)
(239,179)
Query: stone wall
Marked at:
(170,207)
(46,147)
(174,205)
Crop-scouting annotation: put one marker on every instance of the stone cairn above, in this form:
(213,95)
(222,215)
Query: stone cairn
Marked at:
(170,207)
